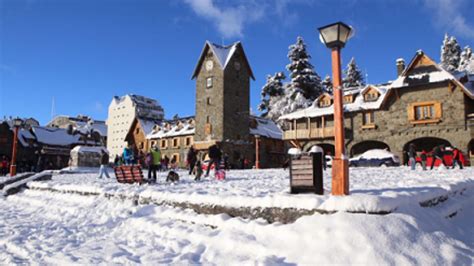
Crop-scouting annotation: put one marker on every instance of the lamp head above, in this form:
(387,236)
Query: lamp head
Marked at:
(335,35)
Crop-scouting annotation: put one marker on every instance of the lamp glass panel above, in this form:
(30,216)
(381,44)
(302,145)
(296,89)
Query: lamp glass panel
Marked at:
(17,122)
(329,34)
(344,33)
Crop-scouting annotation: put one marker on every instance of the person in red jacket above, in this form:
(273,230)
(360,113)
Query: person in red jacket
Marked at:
(457,158)
(4,166)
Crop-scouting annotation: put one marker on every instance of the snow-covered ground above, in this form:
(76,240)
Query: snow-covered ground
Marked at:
(372,189)
(42,227)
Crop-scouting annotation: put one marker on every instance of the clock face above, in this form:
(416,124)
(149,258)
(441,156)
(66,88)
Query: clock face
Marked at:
(237,66)
(209,65)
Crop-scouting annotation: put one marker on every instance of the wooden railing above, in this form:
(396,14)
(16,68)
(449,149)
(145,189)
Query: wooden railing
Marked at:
(313,133)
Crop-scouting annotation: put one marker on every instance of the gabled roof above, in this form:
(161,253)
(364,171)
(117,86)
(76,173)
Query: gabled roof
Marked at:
(266,128)
(423,70)
(359,104)
(223,55)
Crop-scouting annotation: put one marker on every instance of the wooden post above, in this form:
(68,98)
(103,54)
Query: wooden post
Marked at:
(15,142)
(257,152)
(340,169)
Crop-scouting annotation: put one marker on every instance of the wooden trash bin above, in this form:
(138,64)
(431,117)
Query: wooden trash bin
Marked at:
(306,173)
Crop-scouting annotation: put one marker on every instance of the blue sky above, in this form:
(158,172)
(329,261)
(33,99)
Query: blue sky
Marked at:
(83,52)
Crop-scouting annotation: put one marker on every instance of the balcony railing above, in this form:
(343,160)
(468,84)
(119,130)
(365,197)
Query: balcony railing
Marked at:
(313,133)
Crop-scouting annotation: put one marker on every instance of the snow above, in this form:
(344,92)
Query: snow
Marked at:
(377,153)
(371,190)
(431,77)
(177,128)
(358,104)
(223,53)
(266,128)
(97,126)
(41,227)
(147,125)
(54,136)
(81,149)
(294,151)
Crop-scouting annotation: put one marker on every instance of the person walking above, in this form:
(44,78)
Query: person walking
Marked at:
(423,157)
(155,163)
(198,170)
(4,166)
(438,155)
(412,156)
(457,154)
(104,162)
(215,156)
(191,159)
(127,155)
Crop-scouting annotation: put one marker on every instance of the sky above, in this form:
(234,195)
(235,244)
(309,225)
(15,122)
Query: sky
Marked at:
(80,53)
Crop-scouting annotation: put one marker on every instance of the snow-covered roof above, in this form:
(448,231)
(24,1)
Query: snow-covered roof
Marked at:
(145,107)
(97,126)
(266,128)
(81,149)
(359,104)
(223,53)
(54,136)
(173,128)
(433,73)
(148,125)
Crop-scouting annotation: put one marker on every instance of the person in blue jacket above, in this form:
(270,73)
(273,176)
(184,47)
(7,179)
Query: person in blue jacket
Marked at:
(127,155)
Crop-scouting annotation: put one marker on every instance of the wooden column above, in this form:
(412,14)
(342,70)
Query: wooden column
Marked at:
(15,143)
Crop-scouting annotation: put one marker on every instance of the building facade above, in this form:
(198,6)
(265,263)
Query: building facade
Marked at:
(425,105)
(122,112)
(95,129)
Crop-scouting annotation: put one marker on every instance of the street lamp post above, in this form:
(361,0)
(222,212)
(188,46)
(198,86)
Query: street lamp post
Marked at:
(16,124)
(257,152)
(335,36)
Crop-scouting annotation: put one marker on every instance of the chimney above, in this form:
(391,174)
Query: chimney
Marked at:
(400,66)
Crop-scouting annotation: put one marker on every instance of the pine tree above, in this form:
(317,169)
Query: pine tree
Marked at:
(327,84)
(302,72)
(450,53)
(466,63)
(273,88)
(292,100)
(353,75)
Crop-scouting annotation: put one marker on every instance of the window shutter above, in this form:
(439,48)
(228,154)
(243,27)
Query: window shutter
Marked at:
(411,112)
(438,110)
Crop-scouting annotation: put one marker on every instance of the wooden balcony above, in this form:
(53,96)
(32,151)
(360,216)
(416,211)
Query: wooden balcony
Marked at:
(314,133)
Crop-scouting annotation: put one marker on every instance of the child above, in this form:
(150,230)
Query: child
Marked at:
(198,170)
(172,177)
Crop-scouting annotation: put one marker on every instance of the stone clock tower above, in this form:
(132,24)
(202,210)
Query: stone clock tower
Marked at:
(223,98)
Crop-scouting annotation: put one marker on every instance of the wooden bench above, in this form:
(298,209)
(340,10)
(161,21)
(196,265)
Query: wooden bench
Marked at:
(306,175)
(129,174)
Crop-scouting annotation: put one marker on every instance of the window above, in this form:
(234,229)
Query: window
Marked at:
(208,100)
(188,141)
(141,145)
(209,82)
(163,143)
(348,99)
(371,96)
(208,119)
(137,130)
(424,112)
(175,142)
(368,120)
(325,102)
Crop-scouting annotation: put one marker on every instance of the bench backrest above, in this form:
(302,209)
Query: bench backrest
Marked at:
(129,174)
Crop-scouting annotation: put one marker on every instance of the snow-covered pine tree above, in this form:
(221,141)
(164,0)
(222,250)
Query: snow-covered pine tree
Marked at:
(273,88)
(450,53)
(353,75)
(292,100)
(327,84)
(302,72)
(466,62)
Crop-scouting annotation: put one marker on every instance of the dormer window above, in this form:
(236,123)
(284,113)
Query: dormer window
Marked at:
(325,101)
(371,95)
(348,99)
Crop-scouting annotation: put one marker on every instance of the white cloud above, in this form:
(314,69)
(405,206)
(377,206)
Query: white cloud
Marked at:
(448,15)
(229,20)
